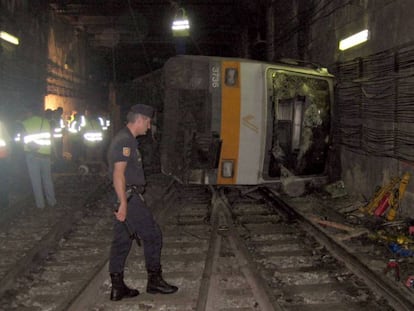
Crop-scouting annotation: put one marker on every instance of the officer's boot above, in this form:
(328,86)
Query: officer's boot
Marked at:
(156,284)
(119,289)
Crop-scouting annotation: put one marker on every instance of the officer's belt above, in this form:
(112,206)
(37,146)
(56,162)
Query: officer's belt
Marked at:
(135,189)
(132,190)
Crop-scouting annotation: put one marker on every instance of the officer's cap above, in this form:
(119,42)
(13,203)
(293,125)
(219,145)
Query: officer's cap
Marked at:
(145,110)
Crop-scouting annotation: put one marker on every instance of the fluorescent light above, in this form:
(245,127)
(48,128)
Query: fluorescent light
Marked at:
(180,24)
(9,38)
(353,40)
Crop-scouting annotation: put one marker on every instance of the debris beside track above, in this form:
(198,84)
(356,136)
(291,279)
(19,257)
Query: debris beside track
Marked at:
(374,240)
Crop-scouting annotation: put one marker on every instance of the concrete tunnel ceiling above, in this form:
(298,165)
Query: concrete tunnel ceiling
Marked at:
(137,34)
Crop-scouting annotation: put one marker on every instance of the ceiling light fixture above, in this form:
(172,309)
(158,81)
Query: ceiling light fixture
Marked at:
(181,24)
(9,38)
(354,40)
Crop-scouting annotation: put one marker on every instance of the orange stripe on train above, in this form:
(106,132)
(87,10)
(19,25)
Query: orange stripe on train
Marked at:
(230,118)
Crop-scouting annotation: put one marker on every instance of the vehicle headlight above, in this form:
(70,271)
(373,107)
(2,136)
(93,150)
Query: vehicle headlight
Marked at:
(227,168)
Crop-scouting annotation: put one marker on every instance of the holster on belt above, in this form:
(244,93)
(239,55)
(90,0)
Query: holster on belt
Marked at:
(131,190)
(137,190)
(132,234)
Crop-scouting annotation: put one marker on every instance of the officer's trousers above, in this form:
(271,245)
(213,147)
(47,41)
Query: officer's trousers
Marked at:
(141,221)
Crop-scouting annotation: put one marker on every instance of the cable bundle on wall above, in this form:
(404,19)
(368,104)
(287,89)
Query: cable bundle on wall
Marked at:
(375,104)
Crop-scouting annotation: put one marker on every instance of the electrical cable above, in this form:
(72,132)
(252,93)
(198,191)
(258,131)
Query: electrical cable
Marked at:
(144,50)
(300,15)
(311,16)
(156,83)
(374,102)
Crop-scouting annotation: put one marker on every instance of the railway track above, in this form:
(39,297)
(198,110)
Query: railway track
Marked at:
(32,235)
(225,250)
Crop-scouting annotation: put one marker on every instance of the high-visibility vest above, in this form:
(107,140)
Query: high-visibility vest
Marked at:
(74,127)
(105,123)
(4,141)
(92,132)
(82,121)
(37,136)
(58,130)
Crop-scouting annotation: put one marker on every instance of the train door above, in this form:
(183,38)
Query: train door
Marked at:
(298,124)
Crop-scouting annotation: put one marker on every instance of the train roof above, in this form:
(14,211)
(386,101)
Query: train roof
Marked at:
(287,64)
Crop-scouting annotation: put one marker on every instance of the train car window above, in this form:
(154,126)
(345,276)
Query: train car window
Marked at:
(298,123)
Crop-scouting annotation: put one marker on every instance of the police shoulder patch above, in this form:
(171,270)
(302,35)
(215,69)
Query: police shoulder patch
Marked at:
(126,151)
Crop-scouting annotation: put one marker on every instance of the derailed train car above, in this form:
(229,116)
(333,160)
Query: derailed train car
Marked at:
(242,122)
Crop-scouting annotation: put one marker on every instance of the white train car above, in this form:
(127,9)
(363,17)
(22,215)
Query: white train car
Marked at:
(230,121)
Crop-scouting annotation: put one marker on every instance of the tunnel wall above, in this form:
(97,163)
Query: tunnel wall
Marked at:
(373,113)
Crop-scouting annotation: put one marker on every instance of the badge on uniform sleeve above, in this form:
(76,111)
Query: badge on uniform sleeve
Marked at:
(126,151)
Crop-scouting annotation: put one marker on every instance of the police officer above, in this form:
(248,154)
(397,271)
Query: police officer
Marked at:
(126,172)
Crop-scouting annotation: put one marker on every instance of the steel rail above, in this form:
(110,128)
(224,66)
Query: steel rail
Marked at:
(61,228)
(224,228)
(390,292)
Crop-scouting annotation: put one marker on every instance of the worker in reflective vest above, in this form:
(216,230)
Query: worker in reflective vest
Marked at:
(4,165)
(75,140)
(104,123)
(92,134)
(59,126)
(37,147)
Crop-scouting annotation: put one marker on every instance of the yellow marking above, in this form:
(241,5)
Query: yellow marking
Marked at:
(247,121)
(230,121)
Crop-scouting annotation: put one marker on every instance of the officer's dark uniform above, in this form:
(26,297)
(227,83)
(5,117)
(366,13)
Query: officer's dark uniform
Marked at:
(124,148)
